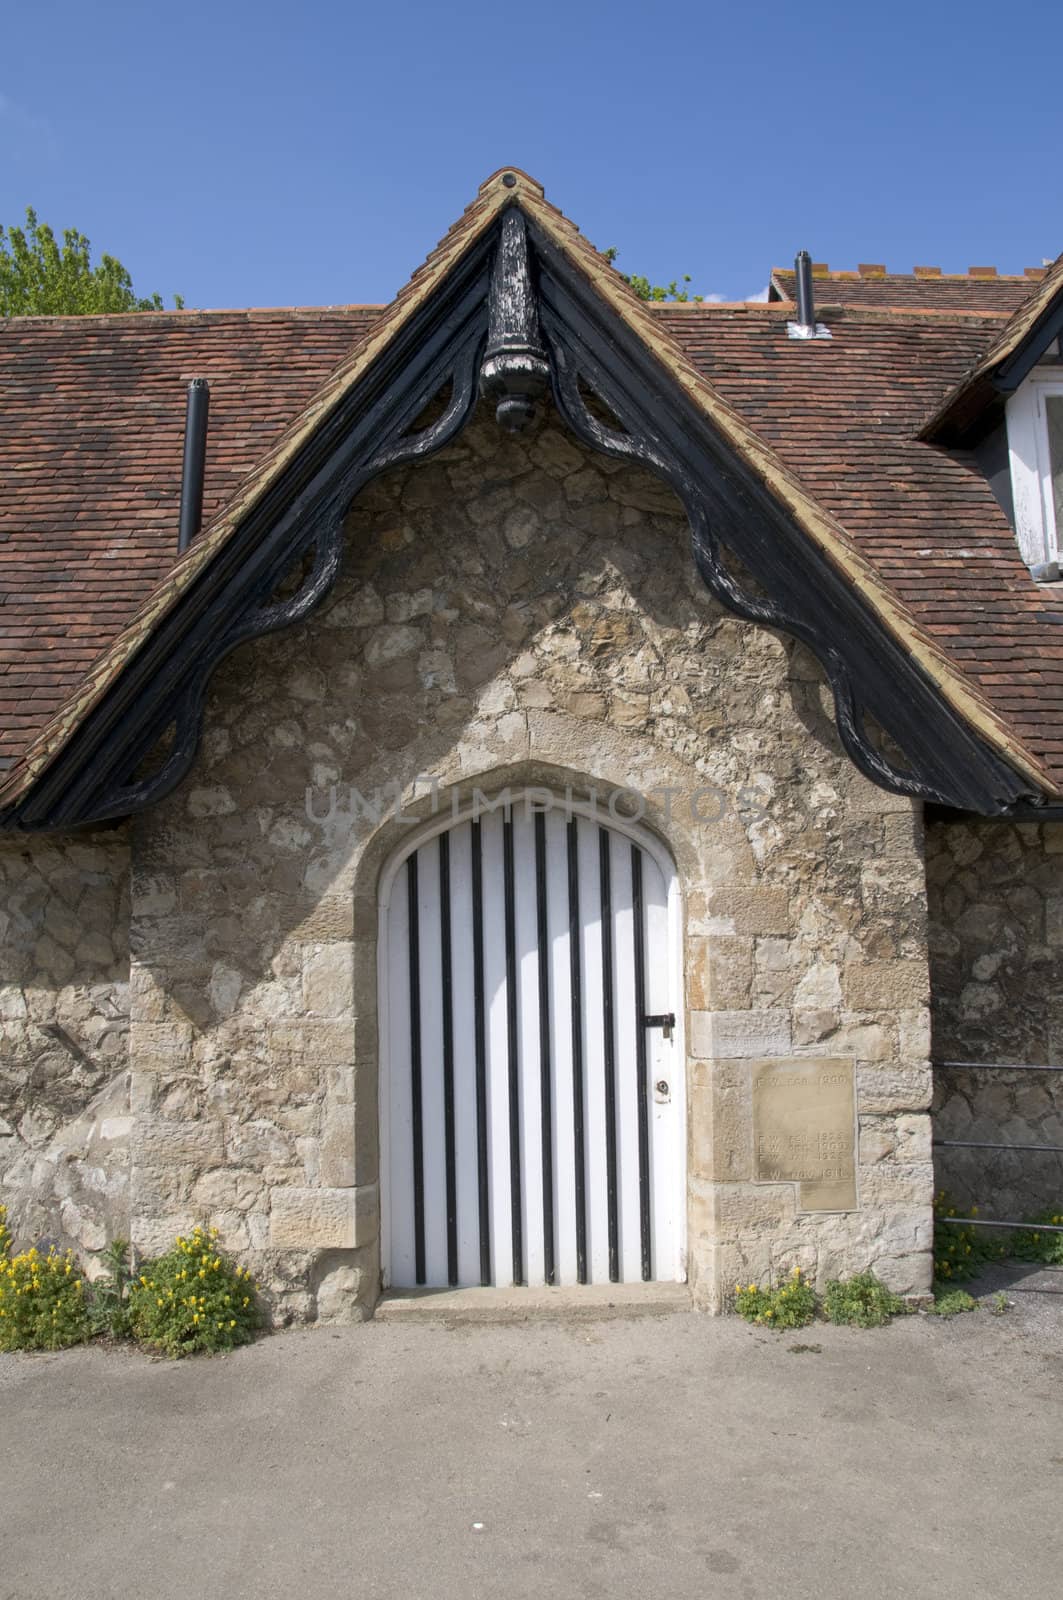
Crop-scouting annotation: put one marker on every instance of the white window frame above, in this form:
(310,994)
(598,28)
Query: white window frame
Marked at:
(1031,469)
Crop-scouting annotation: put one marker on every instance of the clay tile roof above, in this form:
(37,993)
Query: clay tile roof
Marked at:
(975,391)
(91,434)
(982,289)
(845,423)
(90,437)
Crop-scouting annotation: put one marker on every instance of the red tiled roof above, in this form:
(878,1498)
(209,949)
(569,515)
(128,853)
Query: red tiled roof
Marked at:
(969,402)
(926,288)
(91,434)
(843,414)
(91,424)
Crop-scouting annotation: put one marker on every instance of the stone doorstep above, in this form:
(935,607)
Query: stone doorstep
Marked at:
(592,1302)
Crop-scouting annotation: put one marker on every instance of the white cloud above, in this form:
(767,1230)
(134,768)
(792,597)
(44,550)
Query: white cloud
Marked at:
(761,294)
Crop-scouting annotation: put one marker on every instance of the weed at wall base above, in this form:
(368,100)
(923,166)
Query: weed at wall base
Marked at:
(791,1306)
(194,1299)
(861,1302)
(42,1301)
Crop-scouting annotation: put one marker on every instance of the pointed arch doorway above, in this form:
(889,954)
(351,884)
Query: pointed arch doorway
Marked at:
(532,1063)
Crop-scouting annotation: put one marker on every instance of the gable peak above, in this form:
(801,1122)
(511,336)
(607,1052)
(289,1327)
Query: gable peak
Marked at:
(511,180)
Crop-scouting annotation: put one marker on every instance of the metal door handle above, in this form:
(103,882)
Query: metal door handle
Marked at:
(665,1020)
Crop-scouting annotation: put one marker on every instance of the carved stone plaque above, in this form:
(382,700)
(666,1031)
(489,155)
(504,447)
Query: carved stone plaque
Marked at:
(804,1129)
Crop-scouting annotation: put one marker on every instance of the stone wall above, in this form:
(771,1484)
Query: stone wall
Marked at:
(511,612)
(516,611)
(64,1007)
(995,893)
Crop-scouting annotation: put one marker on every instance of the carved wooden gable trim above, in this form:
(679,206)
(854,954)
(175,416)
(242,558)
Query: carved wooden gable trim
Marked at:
(519,311)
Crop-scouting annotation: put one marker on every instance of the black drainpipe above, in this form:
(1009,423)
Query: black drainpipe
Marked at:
(806,307)
(194,458)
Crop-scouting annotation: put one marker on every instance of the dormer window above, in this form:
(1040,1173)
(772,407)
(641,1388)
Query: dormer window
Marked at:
(1035,446)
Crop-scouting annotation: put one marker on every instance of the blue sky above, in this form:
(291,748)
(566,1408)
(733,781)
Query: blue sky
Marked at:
(265,154)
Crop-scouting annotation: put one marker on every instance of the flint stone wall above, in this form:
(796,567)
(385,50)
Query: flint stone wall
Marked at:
(995,894)
(515,611)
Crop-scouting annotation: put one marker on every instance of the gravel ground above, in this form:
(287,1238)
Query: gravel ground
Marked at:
(667,1457)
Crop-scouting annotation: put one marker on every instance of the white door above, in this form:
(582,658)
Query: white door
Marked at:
(532,1093)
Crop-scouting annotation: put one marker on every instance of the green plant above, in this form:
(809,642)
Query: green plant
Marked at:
(861,1302)
(793,1305)
(961,1251)
(42,1301)
(109,1312)
(950,1302)
(1001,1304)
(5,1237)
(655,291)
(1030,1244)
(193,1298)
(40,277)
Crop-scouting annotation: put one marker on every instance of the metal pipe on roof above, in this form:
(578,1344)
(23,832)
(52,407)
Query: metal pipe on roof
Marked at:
(192,467)
(806,306)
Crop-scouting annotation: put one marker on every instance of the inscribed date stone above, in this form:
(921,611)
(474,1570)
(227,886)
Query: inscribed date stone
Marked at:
(804,1129)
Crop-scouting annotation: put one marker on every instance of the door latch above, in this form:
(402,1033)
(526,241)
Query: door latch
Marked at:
(665,1020)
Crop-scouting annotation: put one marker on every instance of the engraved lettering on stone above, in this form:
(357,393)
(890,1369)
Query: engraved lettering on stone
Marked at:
(804,1130)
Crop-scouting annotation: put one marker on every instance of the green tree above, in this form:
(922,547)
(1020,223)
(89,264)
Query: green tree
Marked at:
(40,277)
(655,291)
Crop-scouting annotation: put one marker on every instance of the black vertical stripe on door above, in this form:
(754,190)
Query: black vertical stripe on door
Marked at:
(449,1136)
(415,1069)
(641,1063)
(575,967)
(545,1087)
(515,1184)
(609,1039)
(480,1023)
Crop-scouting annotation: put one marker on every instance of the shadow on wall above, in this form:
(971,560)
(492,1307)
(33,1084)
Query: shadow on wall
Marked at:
(995,894)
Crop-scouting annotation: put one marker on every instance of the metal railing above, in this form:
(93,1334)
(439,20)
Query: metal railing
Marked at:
(983,1144)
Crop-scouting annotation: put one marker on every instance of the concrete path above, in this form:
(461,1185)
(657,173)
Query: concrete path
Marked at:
(663,1457)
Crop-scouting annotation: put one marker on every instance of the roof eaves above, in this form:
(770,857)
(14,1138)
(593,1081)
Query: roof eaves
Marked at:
(828,534)
(492,197)
(1009,358)
(504,188)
